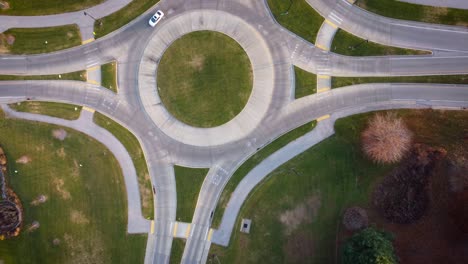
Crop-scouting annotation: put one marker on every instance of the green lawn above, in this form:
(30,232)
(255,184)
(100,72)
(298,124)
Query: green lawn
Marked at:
(42,40)
(306,83)
(109,76)
(118,19)
(188,185)
(133,147)
(46,7)
(178,245)
(75,76)
(300,18)
(451,79)
(60,110)
(253,161)
(86,207)
(326,179)
(406,11)
(201,84)
(348,44)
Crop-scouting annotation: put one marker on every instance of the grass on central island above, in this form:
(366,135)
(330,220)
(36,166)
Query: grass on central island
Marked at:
(325,180)
(188,185)
(60,110)
(84,219)
(204,79)
(41,40)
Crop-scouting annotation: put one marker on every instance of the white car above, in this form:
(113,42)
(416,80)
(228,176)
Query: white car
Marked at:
(156,18)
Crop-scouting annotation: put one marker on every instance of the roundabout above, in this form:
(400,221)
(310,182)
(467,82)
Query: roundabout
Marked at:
(263,73)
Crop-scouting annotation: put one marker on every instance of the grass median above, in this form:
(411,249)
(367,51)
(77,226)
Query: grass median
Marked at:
(39,40)
(60,110)
(298,17)
(449,79)
(253,161)
(84,216)
(297,210)
(109,76)
(188,185)
(106,25)
(74,76)
(201,84)
(421,13)
(306,83)
(177,250)
(133,147)
(45,7)
(350,45)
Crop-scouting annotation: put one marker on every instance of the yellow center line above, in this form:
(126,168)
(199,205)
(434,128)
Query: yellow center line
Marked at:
(152,227)
(93,82)
(323,76)
(323,89)
(94,68)
(187,232)
(175,229)
(88,109)
(210,234)
(323,118)
(87,41)
(330,23)
(321,47)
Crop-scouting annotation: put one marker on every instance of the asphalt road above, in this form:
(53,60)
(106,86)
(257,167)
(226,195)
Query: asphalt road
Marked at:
(271,109)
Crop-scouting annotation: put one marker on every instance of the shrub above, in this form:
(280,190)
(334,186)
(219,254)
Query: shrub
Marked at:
(386,139)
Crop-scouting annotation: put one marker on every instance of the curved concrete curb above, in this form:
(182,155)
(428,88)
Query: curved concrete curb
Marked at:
(262,65)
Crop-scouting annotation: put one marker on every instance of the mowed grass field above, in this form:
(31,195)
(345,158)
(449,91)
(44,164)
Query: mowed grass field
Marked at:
(297,210)
(407,11)
(74,76)
(202,84)
(84,218)
(46,7)
(450,79)
(40,40)
(188,185)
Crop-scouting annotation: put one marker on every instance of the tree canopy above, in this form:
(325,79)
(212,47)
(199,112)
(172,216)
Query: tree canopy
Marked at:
(369,246)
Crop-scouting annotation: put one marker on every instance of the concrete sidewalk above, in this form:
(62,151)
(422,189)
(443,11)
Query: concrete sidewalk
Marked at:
(85,124)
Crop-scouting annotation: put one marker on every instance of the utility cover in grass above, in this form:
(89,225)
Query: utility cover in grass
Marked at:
(204,79)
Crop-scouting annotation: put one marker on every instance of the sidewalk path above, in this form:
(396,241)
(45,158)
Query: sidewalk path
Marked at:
(85,124)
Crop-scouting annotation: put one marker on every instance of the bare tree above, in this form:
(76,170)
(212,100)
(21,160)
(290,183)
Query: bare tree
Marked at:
(386,139)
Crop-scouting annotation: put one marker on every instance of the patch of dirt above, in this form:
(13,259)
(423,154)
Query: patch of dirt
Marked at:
(302,213)
(39,200)
(59,134)
(4,44)
(34,226)
(197,62)
(298,248)
(434,14)
(78,217)
(402,196)
(61,153)
(4,5)
(10,39)
(23,159)
(59,187)
(76,169)
(70,34)
(355,218)
(91,250)
(146,193)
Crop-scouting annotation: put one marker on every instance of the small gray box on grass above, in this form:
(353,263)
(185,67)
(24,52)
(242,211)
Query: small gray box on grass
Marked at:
(245,225)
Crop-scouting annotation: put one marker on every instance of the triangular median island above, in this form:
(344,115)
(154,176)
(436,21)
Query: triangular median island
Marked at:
(10,205)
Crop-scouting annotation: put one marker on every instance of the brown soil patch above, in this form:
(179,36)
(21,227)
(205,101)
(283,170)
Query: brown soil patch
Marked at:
(146,193)
(39,200)
(59,134)
(402,196)
(59,187)
(89,250)
(434,14)
(303,213)
(4,5)
(61,153)
(298,248)
(23,160)
(197,62)
(76,169)
(78,217)
(4,44)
